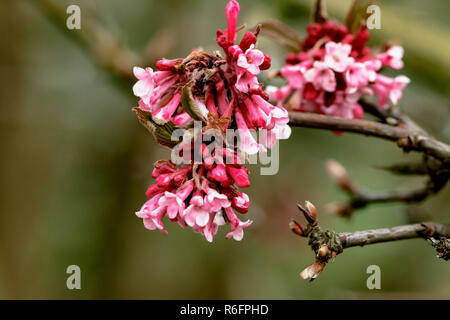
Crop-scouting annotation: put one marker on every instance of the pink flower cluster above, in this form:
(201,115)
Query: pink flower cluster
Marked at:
(334,69)
(202,197)
(220,90)
(224,87)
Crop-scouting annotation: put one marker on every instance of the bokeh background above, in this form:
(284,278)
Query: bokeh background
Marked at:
(75,164)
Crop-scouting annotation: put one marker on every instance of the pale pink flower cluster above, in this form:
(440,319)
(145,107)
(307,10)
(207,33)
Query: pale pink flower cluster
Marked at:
(202,197)
(329,77)
(229,88)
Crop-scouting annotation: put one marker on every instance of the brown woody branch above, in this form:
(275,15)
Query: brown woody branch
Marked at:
(359,197)
(392,116)
(396,127)
(410,231)
(406,138)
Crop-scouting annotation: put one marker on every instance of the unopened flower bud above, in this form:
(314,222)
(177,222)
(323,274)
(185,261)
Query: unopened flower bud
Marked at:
(312,271)
(338,173)
(240,176)
(297,228)
(241,202)
(163,180)
(339,209)
(179,179)
(209,163)
(219,173)
(227,183)
(153,190)
(266,63)
(165,65)
(181,119)
(309,212)
(312,210)
(155,173)
(323,251)
(248,39)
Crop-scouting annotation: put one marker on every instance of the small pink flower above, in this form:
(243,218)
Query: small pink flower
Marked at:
(144,87)
(281,131)
(241,202)
(337,56)
(156,218)
(197,213)
(247,144)
(173,204)
(245,80)
(295,75)
(397,87)
(237,226)
(279,94)
(321,76)
(210,229)
(146,210)
(356,75)
(216,201)
(251,60)
(276,121)
(388,88)
(372,66)
(160,92)
(257,117)
(165,113)
(393,57)
(238,231)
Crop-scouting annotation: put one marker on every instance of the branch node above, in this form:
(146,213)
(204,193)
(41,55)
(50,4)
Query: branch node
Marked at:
(442,247)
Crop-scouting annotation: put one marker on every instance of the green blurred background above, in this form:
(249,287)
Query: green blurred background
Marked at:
(75,164)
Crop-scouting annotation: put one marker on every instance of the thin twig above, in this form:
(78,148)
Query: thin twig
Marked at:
(362,238)
(360,197)
(392,116)
(406,138)
(328,244)
(368,128)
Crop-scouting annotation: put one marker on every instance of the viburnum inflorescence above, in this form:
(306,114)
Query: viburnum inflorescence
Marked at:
(223,93)
(334,68)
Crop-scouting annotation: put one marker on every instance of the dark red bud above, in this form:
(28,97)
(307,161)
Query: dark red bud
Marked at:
(153,190)
(292,58)
(248,39)
(266,63)
(310,93)
(297,228)
(165,65)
